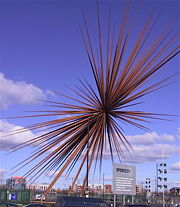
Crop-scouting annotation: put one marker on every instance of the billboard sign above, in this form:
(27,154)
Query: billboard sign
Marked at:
(124,179)
(12,197)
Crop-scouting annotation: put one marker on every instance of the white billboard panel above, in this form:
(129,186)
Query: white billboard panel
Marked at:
(124,179)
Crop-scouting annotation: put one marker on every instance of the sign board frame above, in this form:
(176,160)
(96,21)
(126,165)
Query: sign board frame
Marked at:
(124,179)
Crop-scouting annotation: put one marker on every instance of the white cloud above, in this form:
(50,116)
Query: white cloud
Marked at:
(2,177)
(143,151)
(148,147)
(176,182)
(53,173)
(14,139)
(2,171)
(175,167)
(17,92)
(178,134)
(108,178)
(150,138)
(153,152)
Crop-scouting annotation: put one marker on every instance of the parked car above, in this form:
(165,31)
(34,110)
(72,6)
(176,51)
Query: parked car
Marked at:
(65,201)
(6,204)
(137,205)
(35,205)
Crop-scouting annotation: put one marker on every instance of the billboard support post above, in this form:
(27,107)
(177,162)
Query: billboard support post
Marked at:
(124,199)
(124,179)
(132,199)
(114,200)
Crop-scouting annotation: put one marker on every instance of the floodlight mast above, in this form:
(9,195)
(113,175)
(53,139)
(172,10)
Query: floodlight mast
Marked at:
(162,171)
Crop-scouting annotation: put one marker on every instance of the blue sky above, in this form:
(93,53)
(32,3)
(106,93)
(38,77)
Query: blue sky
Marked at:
(42,50)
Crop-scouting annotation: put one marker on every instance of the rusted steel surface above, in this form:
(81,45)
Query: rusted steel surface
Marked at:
(98,111)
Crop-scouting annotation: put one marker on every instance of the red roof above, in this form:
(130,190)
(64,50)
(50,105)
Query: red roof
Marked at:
(17,177)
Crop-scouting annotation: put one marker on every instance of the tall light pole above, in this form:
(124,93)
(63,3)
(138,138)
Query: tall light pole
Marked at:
(148,188)
(161,177)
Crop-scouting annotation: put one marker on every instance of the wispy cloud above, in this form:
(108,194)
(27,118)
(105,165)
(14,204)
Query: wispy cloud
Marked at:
(143,151)
(12,135)
(53,173)
(178,134)
(150,138)
(18,92)
(153,152)
(14,139)
(175,167)
(149,147)
(2,171)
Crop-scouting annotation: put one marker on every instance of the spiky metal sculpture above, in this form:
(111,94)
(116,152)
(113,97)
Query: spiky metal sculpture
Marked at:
(95,117)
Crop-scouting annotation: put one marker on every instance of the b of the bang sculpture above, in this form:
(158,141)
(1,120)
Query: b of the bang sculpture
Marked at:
(122,78)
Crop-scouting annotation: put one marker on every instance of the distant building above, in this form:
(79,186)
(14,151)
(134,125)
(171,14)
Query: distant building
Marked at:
(77,188)
(93,188)
(107,188)
(16,183)
(175,191)
(96,188)
(38,187)
(139,189)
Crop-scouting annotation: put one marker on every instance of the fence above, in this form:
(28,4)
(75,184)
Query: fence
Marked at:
(15,196)
(28,196)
